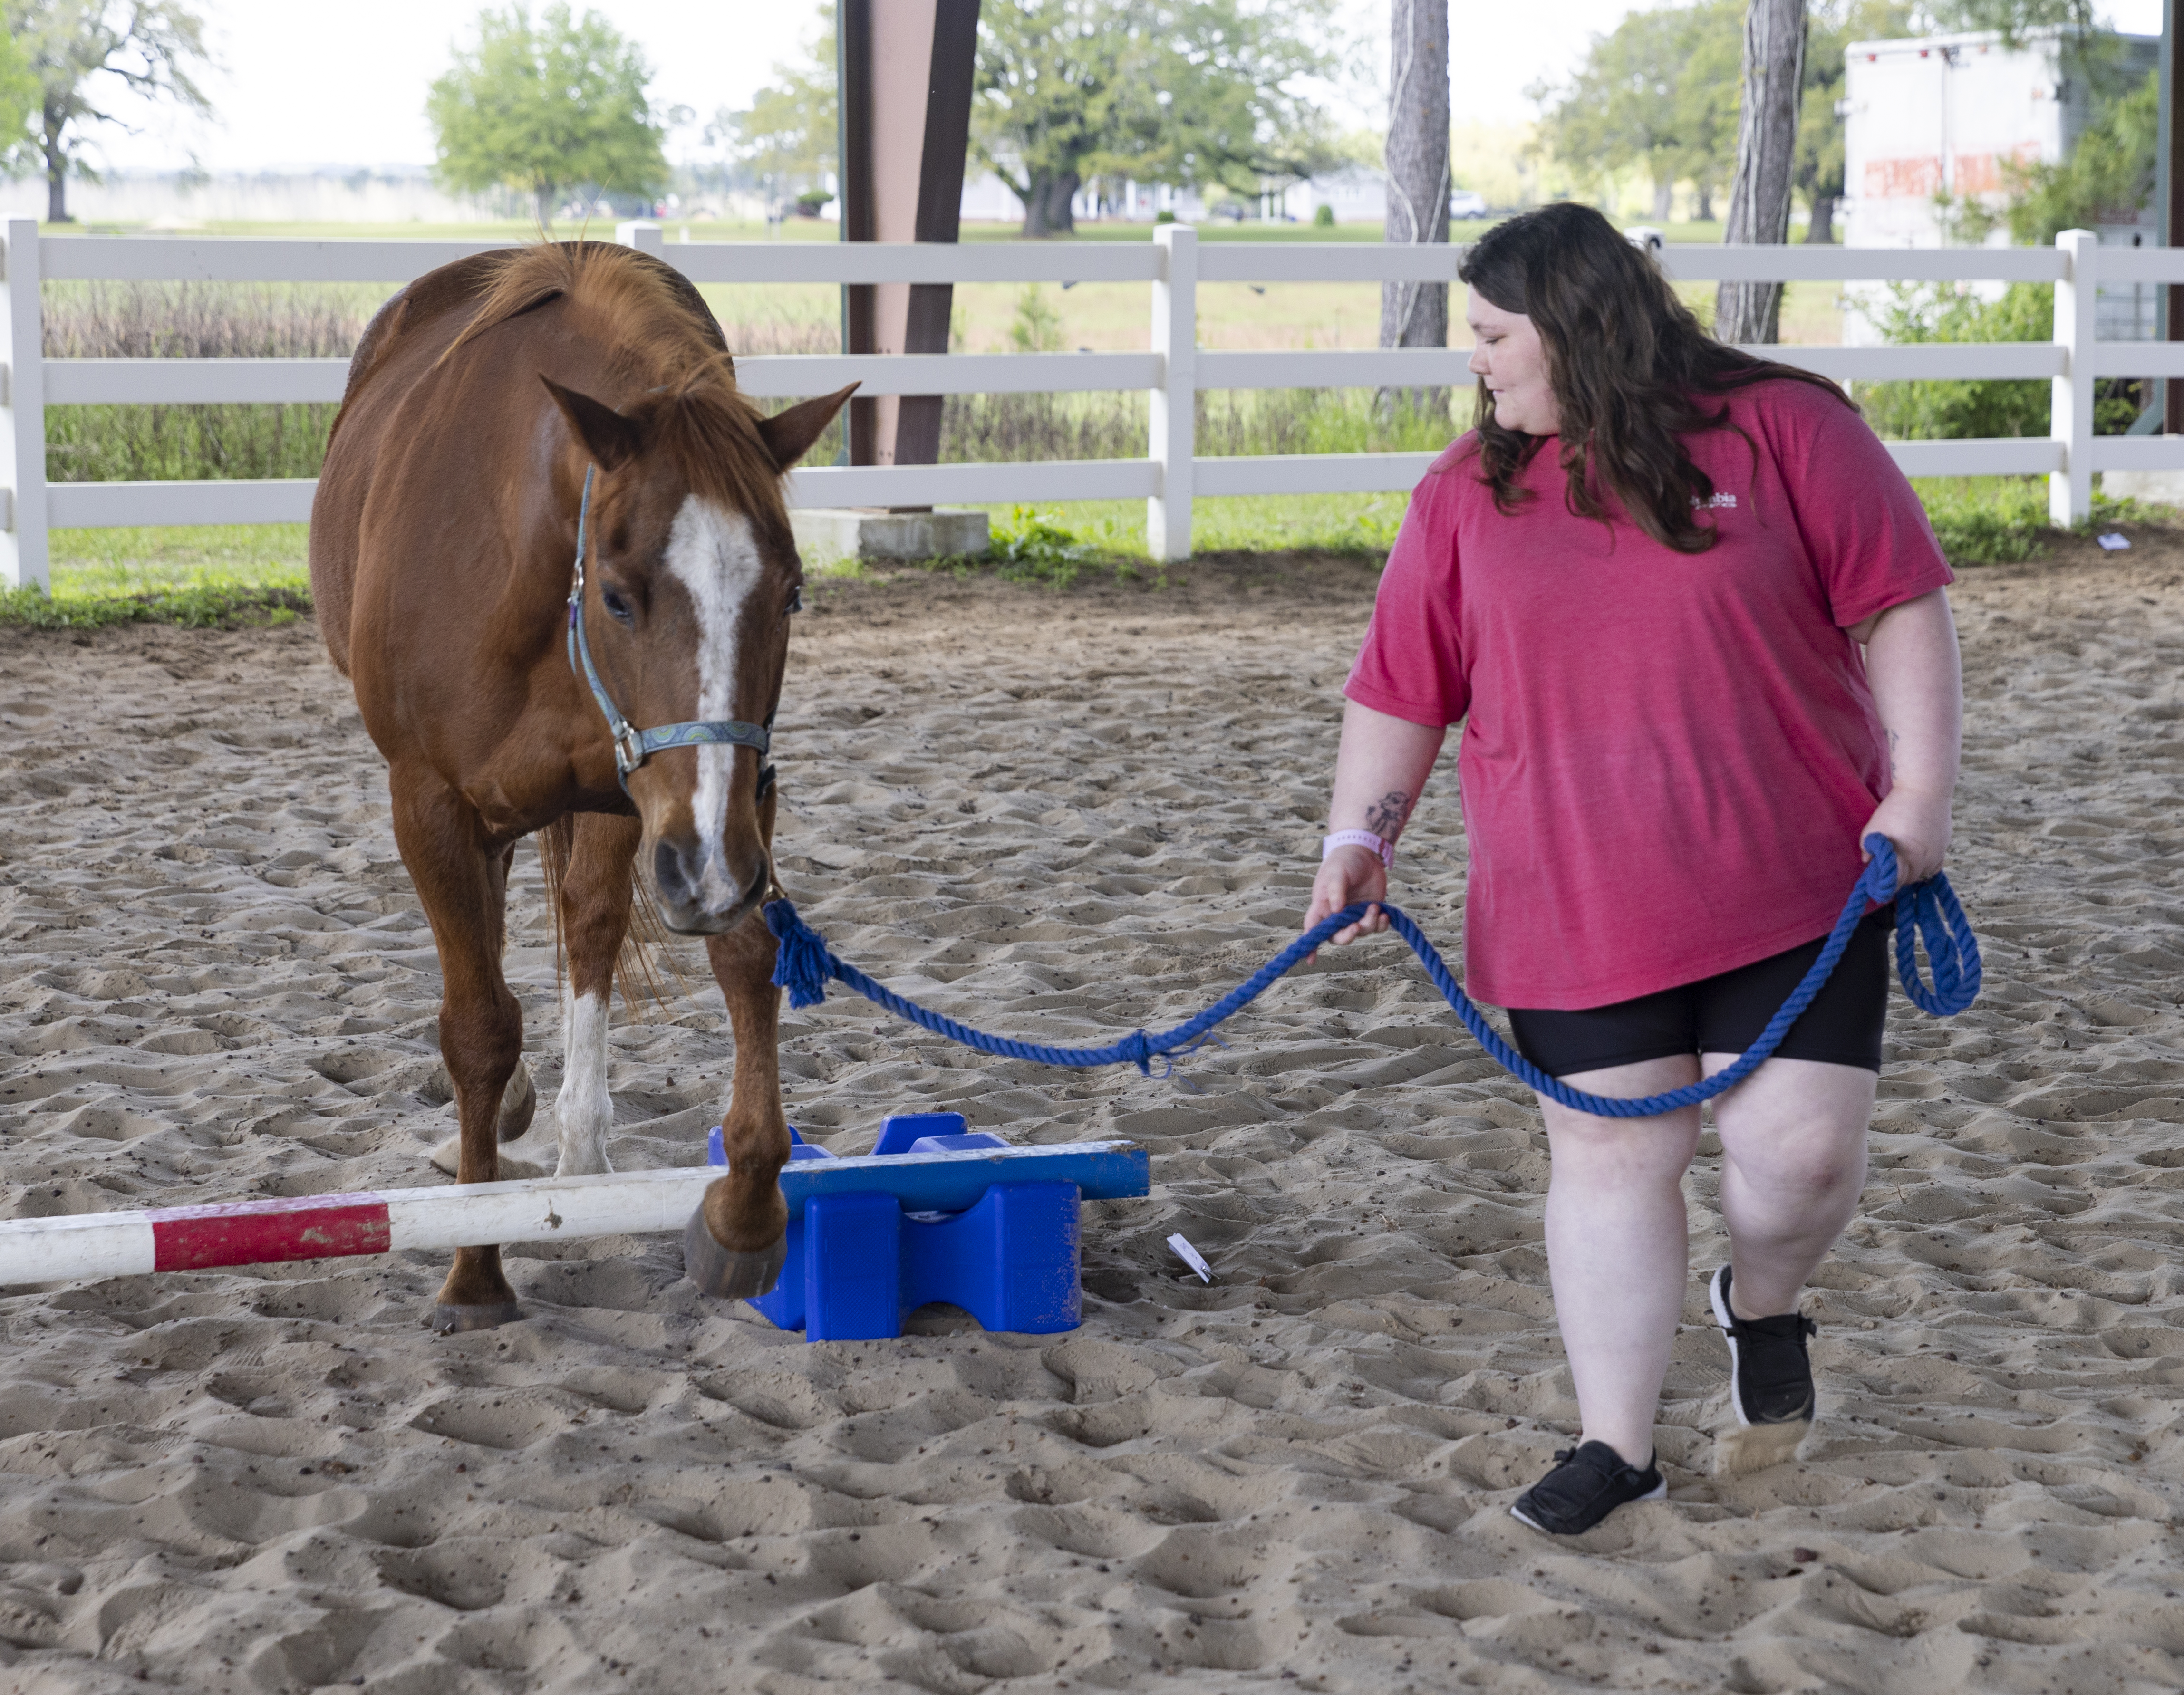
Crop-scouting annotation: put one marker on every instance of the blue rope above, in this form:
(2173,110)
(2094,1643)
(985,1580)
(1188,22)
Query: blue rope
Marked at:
(1927,912)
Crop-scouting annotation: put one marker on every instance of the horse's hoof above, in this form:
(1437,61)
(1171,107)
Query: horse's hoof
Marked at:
(519,1101)
(723,1271)
(447,1320)
(514,1160)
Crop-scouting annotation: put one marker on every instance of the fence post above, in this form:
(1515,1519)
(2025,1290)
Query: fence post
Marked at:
(2070,411)
(1172,438)
(644,235)
(23,413)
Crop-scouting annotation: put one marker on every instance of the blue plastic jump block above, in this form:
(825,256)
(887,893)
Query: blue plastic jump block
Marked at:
(937,1213)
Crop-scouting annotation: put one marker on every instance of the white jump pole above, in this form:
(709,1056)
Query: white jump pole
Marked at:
(45,1250)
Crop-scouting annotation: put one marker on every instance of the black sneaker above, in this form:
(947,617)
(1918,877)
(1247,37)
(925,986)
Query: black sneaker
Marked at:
(1770,1376)
(1587,1484)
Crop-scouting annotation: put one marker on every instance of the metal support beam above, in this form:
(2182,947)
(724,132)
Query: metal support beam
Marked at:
(907,69)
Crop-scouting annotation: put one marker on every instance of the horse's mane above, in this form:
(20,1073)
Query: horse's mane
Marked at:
(657,333)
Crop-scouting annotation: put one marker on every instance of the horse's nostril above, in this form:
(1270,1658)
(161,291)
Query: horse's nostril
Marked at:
(667,872)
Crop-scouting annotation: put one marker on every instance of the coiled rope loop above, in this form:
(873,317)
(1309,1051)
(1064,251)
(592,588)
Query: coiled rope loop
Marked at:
(1927,912)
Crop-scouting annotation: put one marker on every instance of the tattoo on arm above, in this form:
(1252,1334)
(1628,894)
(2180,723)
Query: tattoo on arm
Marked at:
(1387,815)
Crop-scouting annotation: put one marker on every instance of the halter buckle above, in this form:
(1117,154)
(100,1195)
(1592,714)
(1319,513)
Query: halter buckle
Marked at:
(629,748)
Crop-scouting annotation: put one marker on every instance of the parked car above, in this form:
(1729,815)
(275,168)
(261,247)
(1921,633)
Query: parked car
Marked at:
(1647,236)
(1463,203)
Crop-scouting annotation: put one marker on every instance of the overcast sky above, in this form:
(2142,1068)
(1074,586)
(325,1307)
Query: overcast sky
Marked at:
(316,83)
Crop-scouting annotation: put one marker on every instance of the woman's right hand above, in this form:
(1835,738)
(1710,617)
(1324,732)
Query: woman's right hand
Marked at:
(1349,873)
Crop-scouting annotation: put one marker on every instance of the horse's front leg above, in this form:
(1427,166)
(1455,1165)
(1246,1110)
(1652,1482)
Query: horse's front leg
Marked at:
(461,880)
(599,854)
(733,1245)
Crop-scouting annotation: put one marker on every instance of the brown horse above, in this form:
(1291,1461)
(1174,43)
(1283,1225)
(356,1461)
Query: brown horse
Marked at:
(502,413)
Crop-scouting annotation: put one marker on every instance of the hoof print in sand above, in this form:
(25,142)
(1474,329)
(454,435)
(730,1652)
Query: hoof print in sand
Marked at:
(486,1315)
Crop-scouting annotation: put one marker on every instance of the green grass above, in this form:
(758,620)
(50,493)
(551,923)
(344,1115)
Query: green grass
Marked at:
(1353,523)
(256,573)
(198,575)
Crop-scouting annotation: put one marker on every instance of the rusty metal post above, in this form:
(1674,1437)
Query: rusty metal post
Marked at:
(907,68)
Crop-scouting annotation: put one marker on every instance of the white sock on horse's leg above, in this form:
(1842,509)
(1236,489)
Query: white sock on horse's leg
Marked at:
(583,1111)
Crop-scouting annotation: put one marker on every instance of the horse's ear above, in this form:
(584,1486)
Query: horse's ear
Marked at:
(789,435)
(613,439)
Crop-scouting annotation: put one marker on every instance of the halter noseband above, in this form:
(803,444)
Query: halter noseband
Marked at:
(633,746)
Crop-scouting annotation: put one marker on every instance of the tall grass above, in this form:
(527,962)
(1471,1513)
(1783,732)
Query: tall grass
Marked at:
(212,320)
(144,321)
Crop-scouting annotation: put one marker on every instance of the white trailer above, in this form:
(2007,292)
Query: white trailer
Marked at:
(1933,122)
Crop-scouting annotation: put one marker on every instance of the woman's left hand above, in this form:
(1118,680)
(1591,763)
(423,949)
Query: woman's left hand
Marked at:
(1918,823)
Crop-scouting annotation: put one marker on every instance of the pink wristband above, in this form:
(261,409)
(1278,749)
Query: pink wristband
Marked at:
(1361,838)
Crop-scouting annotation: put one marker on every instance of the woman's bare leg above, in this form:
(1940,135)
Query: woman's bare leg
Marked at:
(1617,1247)
(1792,1168)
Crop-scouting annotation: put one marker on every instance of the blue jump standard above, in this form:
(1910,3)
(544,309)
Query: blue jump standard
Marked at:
(934,1212)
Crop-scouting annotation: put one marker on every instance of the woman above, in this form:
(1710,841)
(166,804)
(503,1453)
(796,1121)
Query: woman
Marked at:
(1692,618)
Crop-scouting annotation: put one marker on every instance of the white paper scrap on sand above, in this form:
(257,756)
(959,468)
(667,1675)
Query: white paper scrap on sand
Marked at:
(1192,1258)
(2114,541)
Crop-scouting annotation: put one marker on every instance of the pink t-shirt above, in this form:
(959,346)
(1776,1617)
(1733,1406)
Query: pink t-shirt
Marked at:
(1667,757)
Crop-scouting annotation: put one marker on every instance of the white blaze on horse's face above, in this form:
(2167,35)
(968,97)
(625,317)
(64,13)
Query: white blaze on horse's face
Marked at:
(713,555)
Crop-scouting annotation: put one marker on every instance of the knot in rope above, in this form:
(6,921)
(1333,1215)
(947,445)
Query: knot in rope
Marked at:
(1137,1048)
(801,963)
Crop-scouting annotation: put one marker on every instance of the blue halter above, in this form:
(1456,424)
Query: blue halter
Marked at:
(633,746)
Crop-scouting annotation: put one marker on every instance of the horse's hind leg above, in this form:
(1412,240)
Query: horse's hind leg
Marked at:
(461,880)
(734,1244)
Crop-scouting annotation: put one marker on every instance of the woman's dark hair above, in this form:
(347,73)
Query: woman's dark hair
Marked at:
(1629,365)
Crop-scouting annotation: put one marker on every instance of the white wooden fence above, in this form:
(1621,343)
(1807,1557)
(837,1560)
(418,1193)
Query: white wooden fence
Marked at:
(1173,263)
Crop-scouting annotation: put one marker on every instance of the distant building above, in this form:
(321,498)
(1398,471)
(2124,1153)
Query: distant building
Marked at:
(1929,123)
(1355,193)
(988,199)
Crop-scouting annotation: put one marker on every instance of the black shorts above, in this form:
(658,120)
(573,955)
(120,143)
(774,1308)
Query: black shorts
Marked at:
(1725,1013)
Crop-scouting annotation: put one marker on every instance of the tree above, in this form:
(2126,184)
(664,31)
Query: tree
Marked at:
(547,107)
(790,136)
(1417,157)
(1772,91)
(20,95)
(2016,19)
(1657,92)
(1819,172)
(2109,174)
(1187,91)
(83,51)
(1415,314)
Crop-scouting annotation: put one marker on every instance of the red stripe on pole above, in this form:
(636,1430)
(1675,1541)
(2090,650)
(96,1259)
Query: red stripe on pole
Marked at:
(257,1232)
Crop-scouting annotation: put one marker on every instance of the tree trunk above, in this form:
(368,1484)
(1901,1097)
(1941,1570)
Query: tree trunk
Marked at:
(1664,202)
(1822,229)
(1766,150)
(1415,314)
(1046,207)
(1703,212)
(56,210)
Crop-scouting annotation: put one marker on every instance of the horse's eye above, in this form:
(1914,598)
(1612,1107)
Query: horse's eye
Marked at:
(617,607)
(796,598)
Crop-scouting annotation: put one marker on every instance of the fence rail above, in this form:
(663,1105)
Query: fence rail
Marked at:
(1173,264)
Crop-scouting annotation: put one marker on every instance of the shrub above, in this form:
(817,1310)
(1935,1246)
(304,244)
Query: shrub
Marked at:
(1033,546)
(1954,312)
(1323,217)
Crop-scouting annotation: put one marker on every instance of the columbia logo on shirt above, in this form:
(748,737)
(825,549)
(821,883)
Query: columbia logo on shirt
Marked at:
(1716,503)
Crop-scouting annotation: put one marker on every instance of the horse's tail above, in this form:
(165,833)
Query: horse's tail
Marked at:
(646,948)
